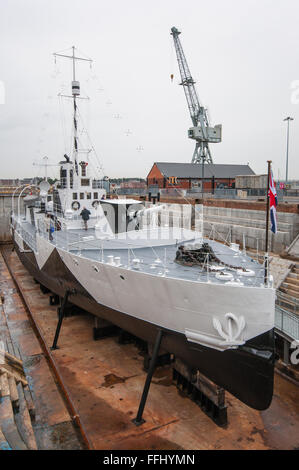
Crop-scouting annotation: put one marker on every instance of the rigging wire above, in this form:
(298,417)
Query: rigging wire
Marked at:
(63,124)
(91,142)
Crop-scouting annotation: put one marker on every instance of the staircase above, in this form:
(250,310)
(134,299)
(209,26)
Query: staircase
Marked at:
(290,285)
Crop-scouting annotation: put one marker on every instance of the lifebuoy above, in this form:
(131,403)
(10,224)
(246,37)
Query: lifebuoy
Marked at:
(95,204)
(246,272)
(224,276)
(76,205)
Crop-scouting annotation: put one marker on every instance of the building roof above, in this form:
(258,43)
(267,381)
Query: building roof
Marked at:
(194,170)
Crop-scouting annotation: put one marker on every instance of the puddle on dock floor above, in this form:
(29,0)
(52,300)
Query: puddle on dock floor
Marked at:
(112,379)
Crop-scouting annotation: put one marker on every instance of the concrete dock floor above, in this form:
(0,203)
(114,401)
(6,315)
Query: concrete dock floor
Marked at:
(105,380)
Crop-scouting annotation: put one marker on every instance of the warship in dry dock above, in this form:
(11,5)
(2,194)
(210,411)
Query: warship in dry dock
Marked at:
(137,269)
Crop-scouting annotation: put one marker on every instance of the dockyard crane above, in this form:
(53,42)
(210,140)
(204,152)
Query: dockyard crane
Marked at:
(201,131)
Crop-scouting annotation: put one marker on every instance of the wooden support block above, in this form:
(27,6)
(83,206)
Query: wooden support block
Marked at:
(14,396)
(5,392)
(103,329)
(10,349)
(17,353)
(209,396)
(215,393)
(8,425)
(20,377)
(24,422)
(54,299)
(13,362)
(30,404)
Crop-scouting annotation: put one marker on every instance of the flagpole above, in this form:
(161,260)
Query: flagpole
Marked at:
(267,225)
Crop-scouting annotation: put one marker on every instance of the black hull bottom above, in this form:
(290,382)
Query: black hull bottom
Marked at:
(247,372)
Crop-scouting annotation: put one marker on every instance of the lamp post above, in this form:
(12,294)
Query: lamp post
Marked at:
(288,119)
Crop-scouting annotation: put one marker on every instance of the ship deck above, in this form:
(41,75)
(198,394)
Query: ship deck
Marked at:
(155,258)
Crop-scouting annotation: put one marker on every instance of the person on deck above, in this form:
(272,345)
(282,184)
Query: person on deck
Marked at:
(85,213)
(50,226)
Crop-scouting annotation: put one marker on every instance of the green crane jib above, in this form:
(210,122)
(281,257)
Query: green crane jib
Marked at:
(201,131)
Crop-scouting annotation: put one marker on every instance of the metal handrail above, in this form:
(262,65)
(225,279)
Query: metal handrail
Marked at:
(287,322)
(282,296)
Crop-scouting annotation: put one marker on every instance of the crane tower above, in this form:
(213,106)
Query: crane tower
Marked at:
(201,131)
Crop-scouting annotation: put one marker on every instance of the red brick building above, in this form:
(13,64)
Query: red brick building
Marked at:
(190,175)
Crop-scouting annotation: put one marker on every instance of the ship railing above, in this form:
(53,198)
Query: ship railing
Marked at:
(58,212)
(287,302)
(287,322)
(63,183)
(75,185)
(28,236)
(100,184)
(159,263)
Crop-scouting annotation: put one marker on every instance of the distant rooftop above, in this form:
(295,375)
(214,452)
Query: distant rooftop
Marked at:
(194,170)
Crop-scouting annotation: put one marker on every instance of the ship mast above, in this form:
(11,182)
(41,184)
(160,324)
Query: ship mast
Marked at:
(74,96)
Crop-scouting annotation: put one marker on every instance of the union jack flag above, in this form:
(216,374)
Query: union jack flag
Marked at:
(273,203)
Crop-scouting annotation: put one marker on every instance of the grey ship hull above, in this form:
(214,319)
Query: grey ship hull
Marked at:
(246,372)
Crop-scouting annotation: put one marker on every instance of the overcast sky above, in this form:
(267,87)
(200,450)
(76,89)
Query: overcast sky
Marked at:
(243,54)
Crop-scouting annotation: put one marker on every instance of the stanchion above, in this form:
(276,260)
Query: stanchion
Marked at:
(61,317)
(139,420)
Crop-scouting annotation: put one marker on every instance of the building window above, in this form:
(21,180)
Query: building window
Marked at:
(83,172)
(95,195)
(84,182)
(81,195)
(75,196)
(88,195)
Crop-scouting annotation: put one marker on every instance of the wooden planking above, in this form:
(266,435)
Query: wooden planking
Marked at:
(29,400)
(24,421)
(8,425)
(13,362)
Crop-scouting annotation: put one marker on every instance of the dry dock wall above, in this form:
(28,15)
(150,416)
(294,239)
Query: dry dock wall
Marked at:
(5,210)
(231,220)
(233,224)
